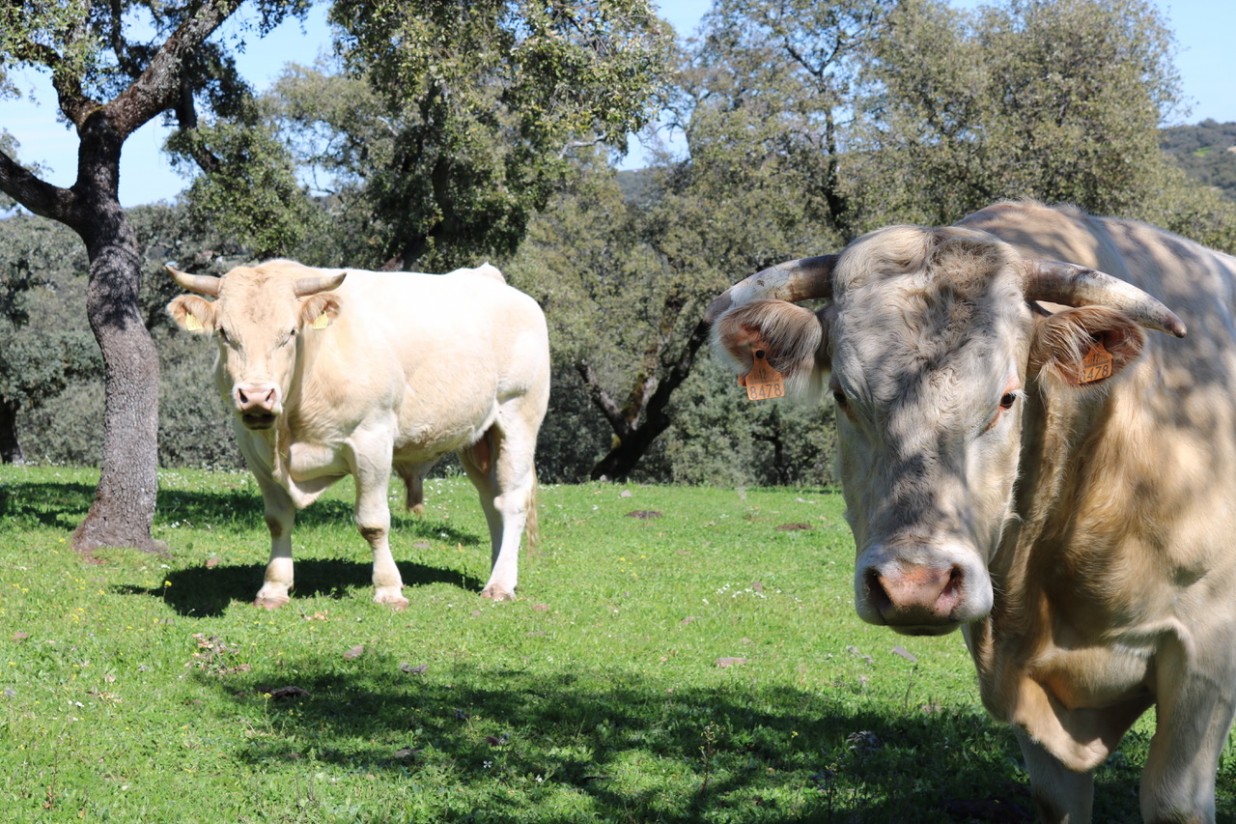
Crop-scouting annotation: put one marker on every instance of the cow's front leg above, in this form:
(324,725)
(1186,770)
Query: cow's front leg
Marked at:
(1195,703)
(280,516)
(1061,796)
(372,471)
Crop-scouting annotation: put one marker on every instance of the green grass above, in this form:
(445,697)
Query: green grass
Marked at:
(702,665)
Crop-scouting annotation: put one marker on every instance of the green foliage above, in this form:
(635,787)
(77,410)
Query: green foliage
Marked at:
(448,125)
(700,663)
(253,196)
(1058,101)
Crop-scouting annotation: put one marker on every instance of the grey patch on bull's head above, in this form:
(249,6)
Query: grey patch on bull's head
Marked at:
(929,333)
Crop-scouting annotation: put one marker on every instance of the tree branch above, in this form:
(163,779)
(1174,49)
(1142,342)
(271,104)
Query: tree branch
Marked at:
(159,86)
(602,400)
(30,191)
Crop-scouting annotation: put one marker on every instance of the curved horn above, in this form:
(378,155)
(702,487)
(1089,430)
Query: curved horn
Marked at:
(1073,285)
(322,283)
(202,284)
(791,281)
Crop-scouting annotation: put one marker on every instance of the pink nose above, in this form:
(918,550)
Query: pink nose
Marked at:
(915,596)
(256,398)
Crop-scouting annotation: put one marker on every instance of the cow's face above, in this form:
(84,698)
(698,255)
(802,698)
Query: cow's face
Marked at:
(927,347)
(927,355)
(258,316)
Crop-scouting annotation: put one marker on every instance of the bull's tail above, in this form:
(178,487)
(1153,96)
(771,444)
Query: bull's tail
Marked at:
(532,526)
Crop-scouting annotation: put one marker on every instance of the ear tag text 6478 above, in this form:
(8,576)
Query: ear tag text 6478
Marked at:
(763,381)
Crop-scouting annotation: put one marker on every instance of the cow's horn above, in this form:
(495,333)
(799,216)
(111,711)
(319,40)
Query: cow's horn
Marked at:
(1073,285)
(791,281)
(202,284)
(323,283)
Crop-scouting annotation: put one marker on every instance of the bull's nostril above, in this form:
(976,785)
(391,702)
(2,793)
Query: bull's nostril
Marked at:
(956,577)
(877,596)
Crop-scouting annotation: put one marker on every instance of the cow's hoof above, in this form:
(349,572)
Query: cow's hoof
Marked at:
(396,602)
(494,593)
(270,601)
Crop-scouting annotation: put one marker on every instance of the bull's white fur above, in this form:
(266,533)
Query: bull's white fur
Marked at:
(389,371)
(1102,513)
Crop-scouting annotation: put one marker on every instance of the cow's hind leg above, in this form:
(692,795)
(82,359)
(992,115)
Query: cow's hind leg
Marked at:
(371,468)
(1060,795)
(501,467)
(280,516)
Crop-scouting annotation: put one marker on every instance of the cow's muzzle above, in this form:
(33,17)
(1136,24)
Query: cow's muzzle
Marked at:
(258,404)
(929,595)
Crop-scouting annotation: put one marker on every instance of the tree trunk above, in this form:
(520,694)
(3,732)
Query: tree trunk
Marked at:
(10,447)
(124,502)
(636,427)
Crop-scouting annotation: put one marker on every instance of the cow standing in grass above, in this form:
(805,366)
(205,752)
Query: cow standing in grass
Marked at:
(334,373)
(1022,460)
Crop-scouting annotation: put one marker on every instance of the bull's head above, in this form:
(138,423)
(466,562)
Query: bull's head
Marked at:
(257,315)
(927,339)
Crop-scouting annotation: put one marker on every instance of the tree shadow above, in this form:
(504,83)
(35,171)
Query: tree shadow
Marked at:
(53,505)
(203,592)
(243,507)
(744,750)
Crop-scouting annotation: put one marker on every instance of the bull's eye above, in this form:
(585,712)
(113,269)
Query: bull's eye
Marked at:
(840,399)
(1007,400)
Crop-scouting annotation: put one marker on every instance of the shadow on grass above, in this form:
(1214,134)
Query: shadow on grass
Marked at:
(503,749)
(52,505)
(641,748)
(204,592)
(63,505)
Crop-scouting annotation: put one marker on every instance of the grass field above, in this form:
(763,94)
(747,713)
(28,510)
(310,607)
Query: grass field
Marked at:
(676,654)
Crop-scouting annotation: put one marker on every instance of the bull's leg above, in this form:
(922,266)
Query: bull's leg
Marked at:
(280,516)
(371,468)
(501,467)
(1193,716)
(1060,795)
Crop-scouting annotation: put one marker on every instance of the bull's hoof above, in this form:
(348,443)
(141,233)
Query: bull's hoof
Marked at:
(395,601)
(497,594)
(269,602)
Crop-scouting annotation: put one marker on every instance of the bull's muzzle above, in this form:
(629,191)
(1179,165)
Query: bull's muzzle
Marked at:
(921,596)
(258,404)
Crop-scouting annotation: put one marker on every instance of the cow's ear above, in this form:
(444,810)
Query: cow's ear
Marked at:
(193,314)
(319,311)
(1085,346)
(789,336)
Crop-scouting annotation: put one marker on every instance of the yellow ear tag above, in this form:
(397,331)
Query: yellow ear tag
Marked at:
(763,382)
(1097,364)
(321,321)
(193,324)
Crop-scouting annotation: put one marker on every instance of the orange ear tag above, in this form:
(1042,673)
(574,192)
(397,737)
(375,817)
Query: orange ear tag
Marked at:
(763,381)
(1097,364)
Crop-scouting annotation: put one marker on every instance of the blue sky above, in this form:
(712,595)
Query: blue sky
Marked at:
(1206,58)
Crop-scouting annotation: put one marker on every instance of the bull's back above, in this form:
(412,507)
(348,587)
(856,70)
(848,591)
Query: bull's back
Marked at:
(457,345)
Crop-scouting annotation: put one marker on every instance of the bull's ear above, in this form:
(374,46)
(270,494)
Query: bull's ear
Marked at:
(319,311)
(790,337)
(193,314)
(1085,346)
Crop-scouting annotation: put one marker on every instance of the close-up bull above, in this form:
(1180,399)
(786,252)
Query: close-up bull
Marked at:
(1033,450)
(329,373)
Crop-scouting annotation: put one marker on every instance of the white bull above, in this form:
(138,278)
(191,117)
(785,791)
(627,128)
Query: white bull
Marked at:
(1021,460)
(334,373)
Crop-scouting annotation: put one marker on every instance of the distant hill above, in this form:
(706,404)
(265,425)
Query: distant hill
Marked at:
(1206,151)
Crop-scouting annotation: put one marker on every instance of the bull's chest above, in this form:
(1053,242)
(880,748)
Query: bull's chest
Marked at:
(1093,674)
